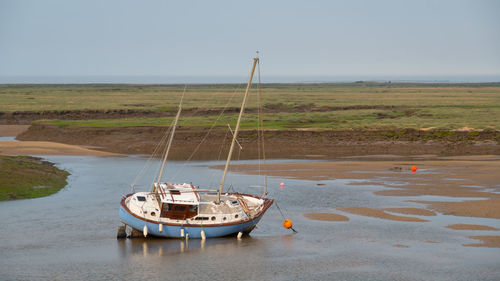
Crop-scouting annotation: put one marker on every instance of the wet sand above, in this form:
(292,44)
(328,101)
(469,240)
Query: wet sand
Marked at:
(12,130)
(486,241)
(431,242)
(477,208)
(411,211)
(47,148)
(470,227)
(326,217)
(374,213)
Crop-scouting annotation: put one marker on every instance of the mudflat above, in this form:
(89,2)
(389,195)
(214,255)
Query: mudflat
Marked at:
(471,176)
(461,186)
(207,144)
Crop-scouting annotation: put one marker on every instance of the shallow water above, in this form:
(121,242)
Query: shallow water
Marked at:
(71,235)
(8,139)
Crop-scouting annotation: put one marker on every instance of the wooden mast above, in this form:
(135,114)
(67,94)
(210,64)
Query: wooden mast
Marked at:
(235,135)
(262,127)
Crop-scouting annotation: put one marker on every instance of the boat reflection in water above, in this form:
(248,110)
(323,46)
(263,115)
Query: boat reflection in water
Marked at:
(147,247)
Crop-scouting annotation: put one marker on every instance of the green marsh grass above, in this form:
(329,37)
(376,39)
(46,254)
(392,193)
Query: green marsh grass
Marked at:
(24,177)
(366,105)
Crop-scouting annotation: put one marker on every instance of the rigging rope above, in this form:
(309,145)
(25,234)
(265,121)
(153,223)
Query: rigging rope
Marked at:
(160,146)
(160,153)
(209,131)
(149,162)
(209,181)
(279,209)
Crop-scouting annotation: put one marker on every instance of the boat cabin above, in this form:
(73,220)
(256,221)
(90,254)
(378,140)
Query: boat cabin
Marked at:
(178,202)
(178,211)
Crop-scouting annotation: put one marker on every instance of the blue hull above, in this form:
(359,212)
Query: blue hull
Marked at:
(174,231)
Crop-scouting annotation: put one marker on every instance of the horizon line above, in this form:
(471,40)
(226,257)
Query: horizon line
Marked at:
(218,79)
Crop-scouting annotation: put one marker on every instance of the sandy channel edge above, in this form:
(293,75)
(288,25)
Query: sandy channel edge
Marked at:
(48,148)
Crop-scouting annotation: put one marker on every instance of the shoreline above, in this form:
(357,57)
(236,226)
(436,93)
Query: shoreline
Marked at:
(15,148)
(22,148)
(280,144)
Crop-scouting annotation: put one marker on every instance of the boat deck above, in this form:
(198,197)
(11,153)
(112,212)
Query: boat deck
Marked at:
(233,207)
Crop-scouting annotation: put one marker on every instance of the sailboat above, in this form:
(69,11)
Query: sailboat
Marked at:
(178,210)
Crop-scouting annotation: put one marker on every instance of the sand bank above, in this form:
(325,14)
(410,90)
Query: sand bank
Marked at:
(326,217)
(486,241)
(470,227)
(374,213)
(47,148)
(477,208)
(12,130)
(411,211)
(400,246)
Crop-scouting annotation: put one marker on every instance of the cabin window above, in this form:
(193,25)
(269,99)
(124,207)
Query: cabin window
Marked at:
(175,192)
(165,210)
(201,218)
(236,216)
(141,198)
(213,218)
(179,208)
(178,211)
(235,202)
(153,214)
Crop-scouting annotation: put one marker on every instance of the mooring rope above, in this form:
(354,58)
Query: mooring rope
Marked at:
(283,216)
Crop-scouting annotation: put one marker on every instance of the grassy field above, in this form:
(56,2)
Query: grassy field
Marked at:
(24,177)
(363,105)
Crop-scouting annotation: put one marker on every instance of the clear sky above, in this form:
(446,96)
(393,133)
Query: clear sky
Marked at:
(219,38)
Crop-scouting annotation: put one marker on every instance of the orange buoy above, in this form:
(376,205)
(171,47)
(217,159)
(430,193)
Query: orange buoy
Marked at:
(414,168)
(287,224)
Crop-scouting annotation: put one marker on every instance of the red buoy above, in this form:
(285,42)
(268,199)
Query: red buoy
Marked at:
(287,224)
(414,168)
